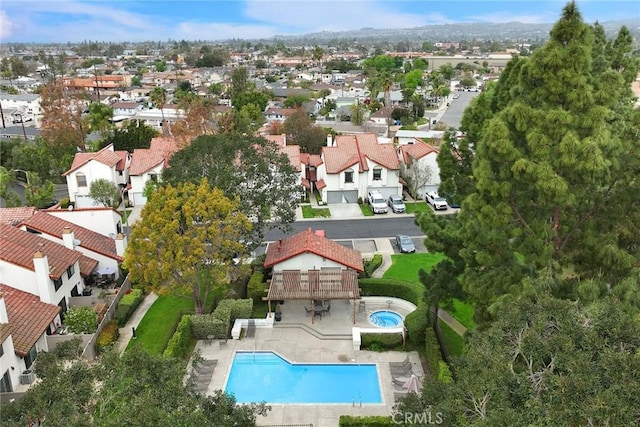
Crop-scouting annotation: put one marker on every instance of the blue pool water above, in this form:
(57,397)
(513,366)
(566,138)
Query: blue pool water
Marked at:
(385,319)
(265,376)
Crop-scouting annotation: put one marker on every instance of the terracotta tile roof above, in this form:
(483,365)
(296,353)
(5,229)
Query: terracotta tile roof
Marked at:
(350,150)
(13,216)
(123,154)
(125,105)
(311,159)
(87,265)
(105,156)
(309,242)
(145,159)
(320,184)
(286,112)
(18,247)
(28,317)
(293,152)
(54,226)
(416,151)
(281,140)
(305,183)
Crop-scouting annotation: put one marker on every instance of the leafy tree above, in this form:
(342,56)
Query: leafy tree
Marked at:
(295,101)
(301,131)
(542,361)
(258,98)
(158,97)
(413,79)
(39,192)
(187,240)
(134,135)
(454,161)
(105,192)
(239,83)
(160,66)
(136,389)
(554,178)
(198,119)
(10,198)
(417,175)
(250,168)
(446,71)
(81,320)
(62,121)
(100,116)
(468,82)
(136,81)
(357,113)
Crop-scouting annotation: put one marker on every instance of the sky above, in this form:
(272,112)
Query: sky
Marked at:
(57,21)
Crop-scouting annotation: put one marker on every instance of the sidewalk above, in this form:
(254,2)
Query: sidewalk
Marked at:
(126,332)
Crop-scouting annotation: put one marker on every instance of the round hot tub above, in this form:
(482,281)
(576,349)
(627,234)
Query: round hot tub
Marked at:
(385,319)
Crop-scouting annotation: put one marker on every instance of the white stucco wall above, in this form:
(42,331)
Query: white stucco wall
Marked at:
(92,171)
(305,262)
(103,221)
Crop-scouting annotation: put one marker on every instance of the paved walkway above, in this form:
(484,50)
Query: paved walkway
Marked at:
(126,332)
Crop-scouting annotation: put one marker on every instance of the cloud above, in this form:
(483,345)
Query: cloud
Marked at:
(502,17)
(222,31)
(7,27)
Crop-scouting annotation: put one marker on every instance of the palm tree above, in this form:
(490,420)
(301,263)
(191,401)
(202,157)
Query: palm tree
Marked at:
(158,97)
(386,81)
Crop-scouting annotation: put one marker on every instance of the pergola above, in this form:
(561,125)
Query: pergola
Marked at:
(324,284)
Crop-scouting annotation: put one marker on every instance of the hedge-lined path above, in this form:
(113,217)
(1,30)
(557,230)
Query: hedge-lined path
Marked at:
(126,332)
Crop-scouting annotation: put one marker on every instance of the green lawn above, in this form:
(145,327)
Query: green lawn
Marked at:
(453,341)
(157,325)
(416,207)
(366,209)
(463,312)
(309,212)
(406,266)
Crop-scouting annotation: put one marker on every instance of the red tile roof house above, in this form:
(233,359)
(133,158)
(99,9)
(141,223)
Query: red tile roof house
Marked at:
(25,322)
(308,266)
(417,157)
(106,221)
(278,114)
(292,152)
(107,251)
(148,164)
(88,167)
(41,267)
(353,165)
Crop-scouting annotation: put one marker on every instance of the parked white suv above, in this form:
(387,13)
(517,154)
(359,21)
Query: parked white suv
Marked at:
(438,203)
(377,202)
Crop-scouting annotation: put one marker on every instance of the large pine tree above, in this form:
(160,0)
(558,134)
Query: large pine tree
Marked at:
(556,195)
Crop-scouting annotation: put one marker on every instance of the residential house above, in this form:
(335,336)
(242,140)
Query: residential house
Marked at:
(106,250)
(403,137)
(104,220)
(292,152)
(24,103)
(153,117)
(25,322)
(273,114)
(353,165)
(418,157)
(382,116)
(98,82)
(14,216)
(309,266)
(89,167)
(124,108)
(41,267)
(147,164)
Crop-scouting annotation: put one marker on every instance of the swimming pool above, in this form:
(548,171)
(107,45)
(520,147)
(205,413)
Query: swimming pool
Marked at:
(265,376)
(385,319)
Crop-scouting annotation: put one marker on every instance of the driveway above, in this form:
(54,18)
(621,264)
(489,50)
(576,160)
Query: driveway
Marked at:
(345,210)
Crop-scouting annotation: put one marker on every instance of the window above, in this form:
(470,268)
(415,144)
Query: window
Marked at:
(82,180)
(70,271)
(348,177)
(29,358)
(377,174)
(5,383)
(57,283)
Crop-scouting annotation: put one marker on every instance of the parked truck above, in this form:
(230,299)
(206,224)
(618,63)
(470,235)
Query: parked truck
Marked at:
(377,202)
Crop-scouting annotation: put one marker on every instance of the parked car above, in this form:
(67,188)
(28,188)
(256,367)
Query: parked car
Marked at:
(437,202)
(456,95)
(405,244)
(396,204)
(452,201)
(377,202)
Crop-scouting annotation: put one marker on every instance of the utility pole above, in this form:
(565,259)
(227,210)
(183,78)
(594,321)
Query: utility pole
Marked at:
(2,114)
(24,132)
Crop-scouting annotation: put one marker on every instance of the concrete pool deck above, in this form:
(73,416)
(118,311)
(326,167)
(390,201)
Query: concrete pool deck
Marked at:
(326,341)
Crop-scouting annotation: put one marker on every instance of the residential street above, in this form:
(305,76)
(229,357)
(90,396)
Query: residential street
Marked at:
(365,228)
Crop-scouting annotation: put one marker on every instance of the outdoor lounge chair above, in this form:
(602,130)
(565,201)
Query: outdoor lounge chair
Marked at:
(327,310)
(251,329)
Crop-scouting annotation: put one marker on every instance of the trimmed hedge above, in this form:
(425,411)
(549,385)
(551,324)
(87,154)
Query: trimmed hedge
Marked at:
(218,323)
(178,345)
(417,323)
(372,421)
(128,305)
(392,288)
(381,342)
(371,265)
(256,287)
(108,336)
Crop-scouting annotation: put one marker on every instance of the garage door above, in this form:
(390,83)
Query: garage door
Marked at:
(350,196)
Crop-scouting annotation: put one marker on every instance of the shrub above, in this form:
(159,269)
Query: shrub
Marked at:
(432,351)
(64,202)
(371,421)
(381,342)
(128,305)
(178,345)
(108,336)
(360,201)
(371,265)
(256,287)
(392,288)
(81,320)
(417,323)
(218,323)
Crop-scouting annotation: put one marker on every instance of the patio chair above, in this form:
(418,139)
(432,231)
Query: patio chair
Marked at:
(327,310)
(406,363)
(308,310)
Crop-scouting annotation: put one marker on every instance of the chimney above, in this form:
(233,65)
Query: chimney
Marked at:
(329,140)
(43,282)
(121,244)
(68,238)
